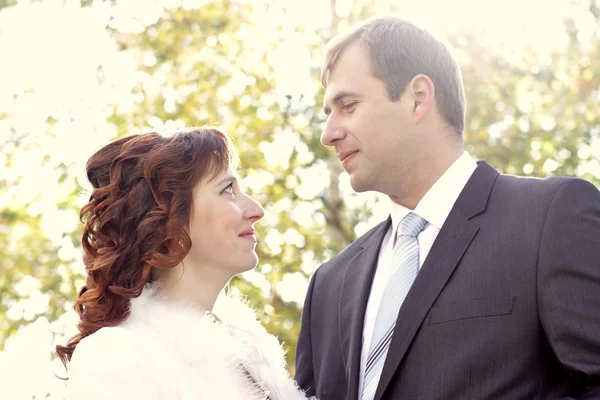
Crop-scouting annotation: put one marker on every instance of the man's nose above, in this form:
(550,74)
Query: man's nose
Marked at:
(332,133)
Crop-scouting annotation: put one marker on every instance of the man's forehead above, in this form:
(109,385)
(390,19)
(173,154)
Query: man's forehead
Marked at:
(330,95)
(337,82)
(351,63)
(327,97)
(342,86)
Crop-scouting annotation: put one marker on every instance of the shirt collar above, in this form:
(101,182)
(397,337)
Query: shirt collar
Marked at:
(437,203)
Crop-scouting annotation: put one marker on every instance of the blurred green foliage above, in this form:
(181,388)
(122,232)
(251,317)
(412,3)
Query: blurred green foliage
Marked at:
(527,115)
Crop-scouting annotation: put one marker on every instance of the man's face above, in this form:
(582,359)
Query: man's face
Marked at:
(372,135)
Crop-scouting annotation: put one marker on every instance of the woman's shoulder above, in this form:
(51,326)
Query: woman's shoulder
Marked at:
(109,333)
(117,345)
(118,361)
(105,338)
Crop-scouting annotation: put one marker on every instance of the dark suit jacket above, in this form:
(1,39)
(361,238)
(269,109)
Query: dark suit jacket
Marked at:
(505,306)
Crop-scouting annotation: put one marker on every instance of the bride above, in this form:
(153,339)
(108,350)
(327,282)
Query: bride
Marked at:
(167,226)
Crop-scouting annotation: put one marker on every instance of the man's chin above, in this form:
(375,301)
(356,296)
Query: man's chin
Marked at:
(359,185)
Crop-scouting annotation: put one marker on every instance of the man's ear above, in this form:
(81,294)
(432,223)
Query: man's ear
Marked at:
(423,95)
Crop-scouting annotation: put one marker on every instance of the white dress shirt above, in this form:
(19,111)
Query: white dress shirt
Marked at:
(434,207)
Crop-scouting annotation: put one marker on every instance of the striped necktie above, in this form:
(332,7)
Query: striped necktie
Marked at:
(405,262)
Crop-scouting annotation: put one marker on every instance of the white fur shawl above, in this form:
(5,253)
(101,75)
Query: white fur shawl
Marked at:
(168,350)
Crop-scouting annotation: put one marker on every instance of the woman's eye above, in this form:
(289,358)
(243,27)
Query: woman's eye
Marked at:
(229,189)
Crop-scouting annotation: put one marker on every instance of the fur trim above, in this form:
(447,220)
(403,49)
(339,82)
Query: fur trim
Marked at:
(214,354)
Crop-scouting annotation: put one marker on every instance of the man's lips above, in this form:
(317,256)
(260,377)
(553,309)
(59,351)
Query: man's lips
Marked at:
(342,155)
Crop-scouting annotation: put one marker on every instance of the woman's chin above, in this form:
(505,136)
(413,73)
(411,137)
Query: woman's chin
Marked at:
(247,266)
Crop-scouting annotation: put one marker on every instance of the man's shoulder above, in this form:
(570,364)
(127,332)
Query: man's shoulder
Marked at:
(536,185)
(532,180)
(542,192)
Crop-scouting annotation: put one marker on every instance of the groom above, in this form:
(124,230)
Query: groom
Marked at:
(479,285)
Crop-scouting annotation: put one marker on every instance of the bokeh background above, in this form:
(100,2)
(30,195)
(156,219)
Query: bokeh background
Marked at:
(76,74)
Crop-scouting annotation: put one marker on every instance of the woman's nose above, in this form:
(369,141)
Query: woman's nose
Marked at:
(254,212)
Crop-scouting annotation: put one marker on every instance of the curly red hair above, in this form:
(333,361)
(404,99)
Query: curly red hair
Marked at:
(138,217)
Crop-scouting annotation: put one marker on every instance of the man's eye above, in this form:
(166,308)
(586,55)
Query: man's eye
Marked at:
(348,106)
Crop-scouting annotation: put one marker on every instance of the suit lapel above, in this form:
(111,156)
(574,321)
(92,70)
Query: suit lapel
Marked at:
(356,287)
(451,243)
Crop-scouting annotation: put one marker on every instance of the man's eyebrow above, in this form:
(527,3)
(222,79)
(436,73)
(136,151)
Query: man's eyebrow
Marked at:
(338,98)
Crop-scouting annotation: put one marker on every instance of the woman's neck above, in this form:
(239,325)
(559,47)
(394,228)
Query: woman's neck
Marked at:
(191,285)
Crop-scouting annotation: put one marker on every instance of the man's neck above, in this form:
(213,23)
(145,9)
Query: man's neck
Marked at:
(428,174)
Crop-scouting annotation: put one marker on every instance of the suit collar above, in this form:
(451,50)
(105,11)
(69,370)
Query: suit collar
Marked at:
(452,241)
(356,286)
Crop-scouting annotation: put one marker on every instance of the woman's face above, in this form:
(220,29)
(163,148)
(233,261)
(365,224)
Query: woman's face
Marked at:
(222,225)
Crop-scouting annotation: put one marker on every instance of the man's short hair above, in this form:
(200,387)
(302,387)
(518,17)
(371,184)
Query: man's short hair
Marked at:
(399,51)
